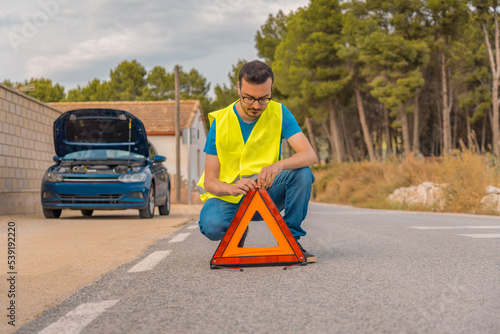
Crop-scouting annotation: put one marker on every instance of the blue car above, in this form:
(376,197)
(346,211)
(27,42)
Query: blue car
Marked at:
(104,162)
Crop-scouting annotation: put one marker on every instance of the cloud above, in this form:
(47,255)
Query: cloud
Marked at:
(83,54)
(83,40)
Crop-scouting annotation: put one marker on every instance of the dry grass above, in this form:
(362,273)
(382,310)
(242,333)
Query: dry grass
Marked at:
(367,184)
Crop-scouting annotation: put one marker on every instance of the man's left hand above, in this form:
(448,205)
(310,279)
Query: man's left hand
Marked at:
(268,174)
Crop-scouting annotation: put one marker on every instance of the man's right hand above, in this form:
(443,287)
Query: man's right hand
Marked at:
(243,186)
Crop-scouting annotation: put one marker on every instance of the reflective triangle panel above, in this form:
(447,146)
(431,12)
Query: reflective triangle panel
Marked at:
(229,254)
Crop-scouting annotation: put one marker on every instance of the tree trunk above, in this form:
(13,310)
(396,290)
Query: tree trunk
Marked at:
(387,132)
(361,146)
(483,134)
(362,119)
(437,129)
(469,135)
(406,131)
(395,140)
(454,137)
(352,146)
(330,140)
(416,125)
(496,119)
(446,108)
(335,132)
(490,116)
(495,71)
(348,142)
(312,138)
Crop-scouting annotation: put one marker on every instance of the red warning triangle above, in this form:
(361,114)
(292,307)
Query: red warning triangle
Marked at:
(229,254)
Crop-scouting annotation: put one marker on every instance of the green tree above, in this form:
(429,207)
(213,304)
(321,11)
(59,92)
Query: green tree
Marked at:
(194,86)
(95,90)
(161,86)
(393,70)
(227,94)
(43,89)
(308,69)
(472,80)
(410,20)
(448,19)
(127,81)
(9,83)
(267,39)
(270,35)
(487,17)
(356,25)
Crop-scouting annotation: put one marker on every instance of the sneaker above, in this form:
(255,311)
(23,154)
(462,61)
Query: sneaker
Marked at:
(310,258)
(242,241)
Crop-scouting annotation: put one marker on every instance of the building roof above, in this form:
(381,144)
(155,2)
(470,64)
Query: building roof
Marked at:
(158,116)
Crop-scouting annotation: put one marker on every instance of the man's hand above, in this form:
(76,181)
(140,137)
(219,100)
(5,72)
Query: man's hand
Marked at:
(268,174)
(304,156)
(242,187)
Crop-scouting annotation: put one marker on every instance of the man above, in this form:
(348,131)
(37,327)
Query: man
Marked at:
(243,152)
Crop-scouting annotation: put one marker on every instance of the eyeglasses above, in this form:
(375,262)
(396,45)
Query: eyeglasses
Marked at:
(251,100)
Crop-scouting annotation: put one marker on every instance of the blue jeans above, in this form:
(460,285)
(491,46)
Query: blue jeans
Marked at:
(291,190)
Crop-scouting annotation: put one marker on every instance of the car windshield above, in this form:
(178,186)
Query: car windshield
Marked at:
(103,155)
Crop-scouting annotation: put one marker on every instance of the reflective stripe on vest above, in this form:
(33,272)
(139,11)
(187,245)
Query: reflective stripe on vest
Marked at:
(238,159)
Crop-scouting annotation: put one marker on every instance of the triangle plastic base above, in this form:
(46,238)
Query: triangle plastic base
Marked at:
(228,254)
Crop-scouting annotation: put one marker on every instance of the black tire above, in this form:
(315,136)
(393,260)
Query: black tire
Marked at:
(149,211)
(87,213)
(165,209)
(52,213)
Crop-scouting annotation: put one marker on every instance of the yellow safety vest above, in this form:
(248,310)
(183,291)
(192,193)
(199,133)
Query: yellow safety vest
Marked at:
(237,159)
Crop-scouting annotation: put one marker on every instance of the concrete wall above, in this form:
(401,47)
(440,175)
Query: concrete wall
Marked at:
(26,150)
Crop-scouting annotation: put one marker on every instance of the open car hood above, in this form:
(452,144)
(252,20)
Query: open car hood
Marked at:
(86,129)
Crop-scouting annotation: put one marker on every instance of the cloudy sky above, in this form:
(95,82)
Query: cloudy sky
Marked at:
(73,42)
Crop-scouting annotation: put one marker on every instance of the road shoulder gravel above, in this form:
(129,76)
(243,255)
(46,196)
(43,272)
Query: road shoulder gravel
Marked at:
(57,257)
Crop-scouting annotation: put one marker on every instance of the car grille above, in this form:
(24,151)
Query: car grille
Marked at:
(93,199)
(90,179)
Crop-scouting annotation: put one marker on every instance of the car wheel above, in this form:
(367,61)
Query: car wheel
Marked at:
(165,209)
(87,213)
(52,213)
(149,211)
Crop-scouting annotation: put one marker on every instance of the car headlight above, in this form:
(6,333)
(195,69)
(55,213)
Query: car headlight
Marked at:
(133,177)
(52,176)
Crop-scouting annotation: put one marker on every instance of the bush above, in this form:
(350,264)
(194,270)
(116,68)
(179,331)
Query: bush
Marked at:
(367,184)
(467,176)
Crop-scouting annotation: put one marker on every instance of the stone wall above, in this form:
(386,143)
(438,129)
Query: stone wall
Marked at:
(26,150)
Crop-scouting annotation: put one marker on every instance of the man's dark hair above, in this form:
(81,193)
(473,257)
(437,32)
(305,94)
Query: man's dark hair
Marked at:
(256,72)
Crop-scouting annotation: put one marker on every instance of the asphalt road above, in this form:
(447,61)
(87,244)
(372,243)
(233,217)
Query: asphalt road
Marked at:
(377,272)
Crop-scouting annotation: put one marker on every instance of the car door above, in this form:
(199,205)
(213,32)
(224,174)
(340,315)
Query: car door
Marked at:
(159,174)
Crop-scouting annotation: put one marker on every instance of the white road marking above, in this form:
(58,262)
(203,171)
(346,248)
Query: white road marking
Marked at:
(354,213)
(481,236)
(150,261)
(75,321)
(454,227)
(180,237)
(192,227)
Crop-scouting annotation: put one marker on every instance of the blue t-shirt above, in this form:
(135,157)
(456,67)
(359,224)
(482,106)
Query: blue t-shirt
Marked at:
(289,127)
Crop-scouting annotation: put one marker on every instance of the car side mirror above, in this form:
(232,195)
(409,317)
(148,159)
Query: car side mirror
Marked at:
(56,158)
(159,158)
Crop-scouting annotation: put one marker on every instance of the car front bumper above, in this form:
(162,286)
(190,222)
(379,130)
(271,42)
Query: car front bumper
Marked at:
(100,196)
